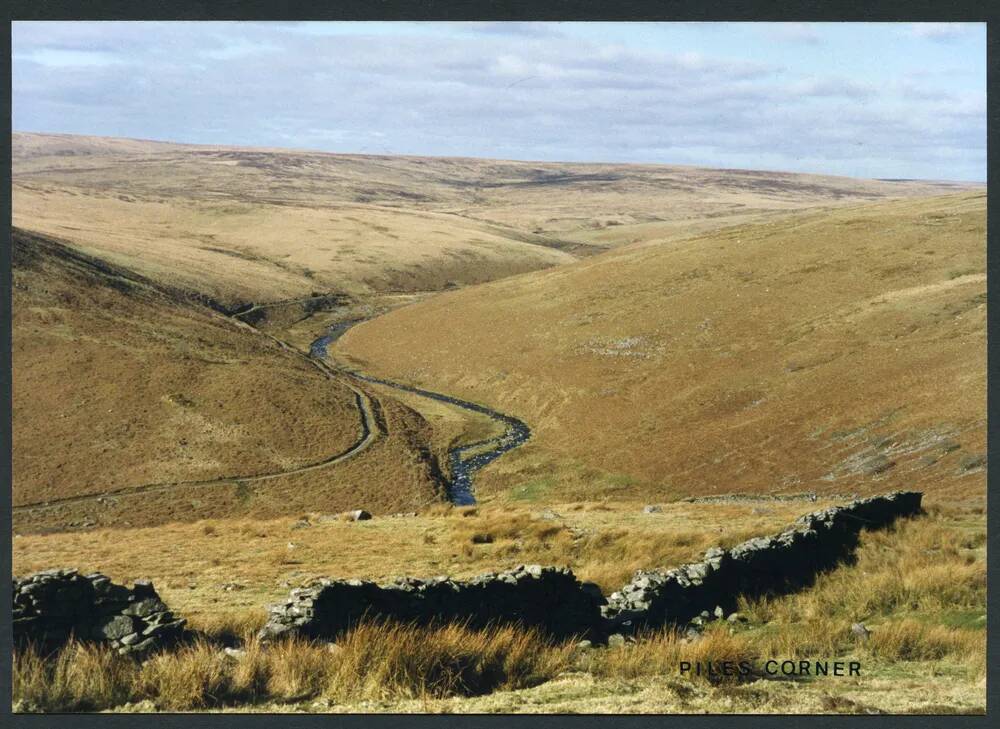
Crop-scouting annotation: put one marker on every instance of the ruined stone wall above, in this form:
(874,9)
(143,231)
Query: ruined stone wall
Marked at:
(51,606)
(556,602)
(764,565)
(548,598)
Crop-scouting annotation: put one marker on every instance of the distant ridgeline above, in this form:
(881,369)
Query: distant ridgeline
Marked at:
(52,605)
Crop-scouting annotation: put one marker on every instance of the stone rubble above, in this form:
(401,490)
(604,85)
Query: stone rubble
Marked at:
(52,606)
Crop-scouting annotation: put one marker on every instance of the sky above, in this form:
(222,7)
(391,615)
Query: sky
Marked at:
(878,100)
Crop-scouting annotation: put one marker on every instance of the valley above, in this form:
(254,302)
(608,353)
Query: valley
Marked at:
(221,353)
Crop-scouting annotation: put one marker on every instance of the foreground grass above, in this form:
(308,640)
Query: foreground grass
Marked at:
(388,661)
(919,587)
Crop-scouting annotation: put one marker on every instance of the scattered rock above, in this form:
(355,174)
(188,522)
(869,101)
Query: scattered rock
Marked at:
(585,645)
(301,524)
(972,463)
(652,509)
(876,465)
(616,640)
(234,653)
(113,627)
(860,631)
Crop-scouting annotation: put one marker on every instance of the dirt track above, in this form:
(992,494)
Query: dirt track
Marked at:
(370,431)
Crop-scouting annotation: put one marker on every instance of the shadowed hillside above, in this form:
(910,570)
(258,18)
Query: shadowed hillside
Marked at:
(837,351)
(118,384)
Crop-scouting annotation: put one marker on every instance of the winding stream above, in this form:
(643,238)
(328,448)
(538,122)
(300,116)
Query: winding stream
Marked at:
(461,467)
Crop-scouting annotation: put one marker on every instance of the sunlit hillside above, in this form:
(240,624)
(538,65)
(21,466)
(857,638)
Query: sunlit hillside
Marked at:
(244,224)
(837,351)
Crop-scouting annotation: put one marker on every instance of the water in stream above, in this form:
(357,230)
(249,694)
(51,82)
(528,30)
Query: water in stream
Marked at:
(461,466)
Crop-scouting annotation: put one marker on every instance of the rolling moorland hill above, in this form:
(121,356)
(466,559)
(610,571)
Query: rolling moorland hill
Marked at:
(747,332)
(119,384)
(669,366)
(835,351)
(247,224)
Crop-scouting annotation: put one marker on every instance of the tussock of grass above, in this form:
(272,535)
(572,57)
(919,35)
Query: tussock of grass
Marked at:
(194,677)
(383,661)
(399,661)
(296,669)
(608,557)
(661,653)
(922,565)
(622,553)
(80,677)
(905,586)
(911,640)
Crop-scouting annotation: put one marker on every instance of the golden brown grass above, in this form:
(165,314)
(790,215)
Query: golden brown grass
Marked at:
(387,661)
(378,661)
(801,353)
(80,677)
(660,653)
(161,391)
(230,626)
(271,224)
(926,652)
(196,575)
(923,566)
(922,623)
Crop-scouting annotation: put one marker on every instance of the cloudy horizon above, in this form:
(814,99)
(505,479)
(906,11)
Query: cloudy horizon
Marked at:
(877,100)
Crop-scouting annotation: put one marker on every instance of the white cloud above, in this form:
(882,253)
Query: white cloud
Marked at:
(58,58)
(497,92)
(939,31)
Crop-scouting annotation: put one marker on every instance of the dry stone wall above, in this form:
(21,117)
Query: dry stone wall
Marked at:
(554,601)
(53,605)
(550,599)
(764,565)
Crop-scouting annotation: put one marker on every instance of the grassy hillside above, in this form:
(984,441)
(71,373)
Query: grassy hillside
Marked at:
(836,351)
(118,384)
(245,224)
